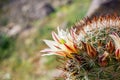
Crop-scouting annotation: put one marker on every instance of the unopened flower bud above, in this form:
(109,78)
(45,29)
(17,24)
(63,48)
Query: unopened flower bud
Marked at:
(103,59)
(110,47)
(117,54)
(91,50)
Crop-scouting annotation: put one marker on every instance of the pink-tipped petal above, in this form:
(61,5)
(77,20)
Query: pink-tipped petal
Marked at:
(62,53)
(72,33)
(69,48)
(75,46)
(46,50)
(115,34)
(48,54)
(55,37)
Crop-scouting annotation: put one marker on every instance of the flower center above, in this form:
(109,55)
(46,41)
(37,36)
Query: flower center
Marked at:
(62,41)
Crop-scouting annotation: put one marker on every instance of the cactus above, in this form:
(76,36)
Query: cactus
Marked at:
(91,49)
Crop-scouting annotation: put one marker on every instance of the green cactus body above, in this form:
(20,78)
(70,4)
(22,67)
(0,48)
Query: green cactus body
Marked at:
(86,67)
(94,53)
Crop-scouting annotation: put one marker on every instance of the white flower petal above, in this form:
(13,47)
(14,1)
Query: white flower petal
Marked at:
(60,53)
(55,37)
(51,44)
(47,50)
(48,54)
(64,43)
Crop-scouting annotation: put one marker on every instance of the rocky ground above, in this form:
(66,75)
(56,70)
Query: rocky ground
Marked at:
(18,14)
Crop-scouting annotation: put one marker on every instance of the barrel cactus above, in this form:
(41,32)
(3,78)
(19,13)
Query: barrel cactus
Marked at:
(91,49)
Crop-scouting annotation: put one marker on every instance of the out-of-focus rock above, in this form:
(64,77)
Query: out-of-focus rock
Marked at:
(37,11)
(13,30)
(19,13)
(103,7)
(23,11)
(26,32)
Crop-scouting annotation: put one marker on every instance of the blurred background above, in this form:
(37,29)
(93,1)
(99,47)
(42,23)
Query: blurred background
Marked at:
(24,24)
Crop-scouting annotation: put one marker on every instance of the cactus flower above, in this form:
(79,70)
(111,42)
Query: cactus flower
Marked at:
(64,43)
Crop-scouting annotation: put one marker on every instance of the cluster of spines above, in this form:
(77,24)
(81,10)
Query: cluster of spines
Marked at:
(79,26)
(91,60)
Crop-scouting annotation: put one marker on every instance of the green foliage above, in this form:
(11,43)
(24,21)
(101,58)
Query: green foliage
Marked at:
(46,30)
(6,46)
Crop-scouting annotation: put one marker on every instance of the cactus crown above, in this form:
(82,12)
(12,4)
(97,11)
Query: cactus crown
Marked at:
(91,49)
